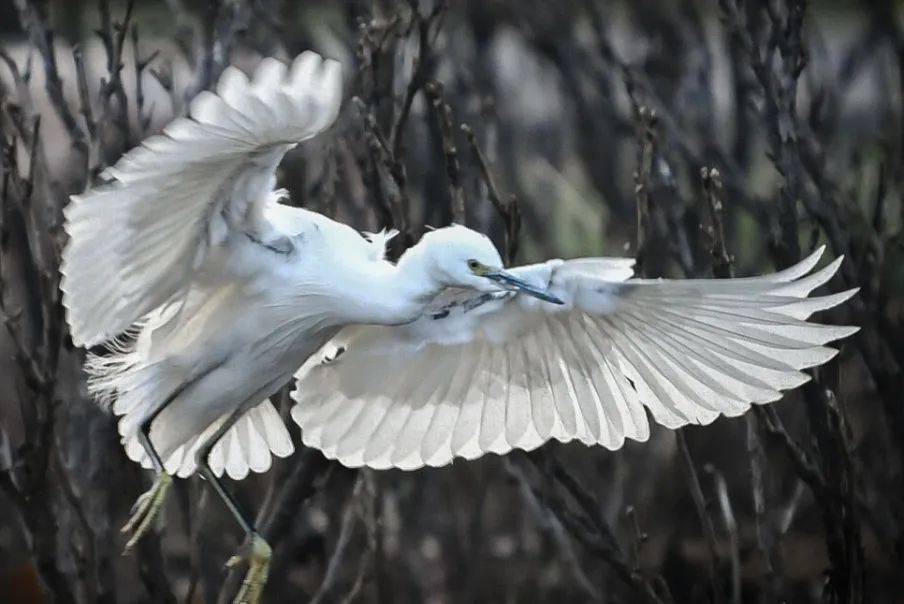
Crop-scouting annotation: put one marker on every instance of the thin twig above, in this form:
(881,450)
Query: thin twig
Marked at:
(509,209)
(421,64)
(447,132)
(731,527)
(144,120)
(643,181)
(591,529)
(712,191)
(114,103)
(553,524)
(336,565)
(702,507)
(33,19)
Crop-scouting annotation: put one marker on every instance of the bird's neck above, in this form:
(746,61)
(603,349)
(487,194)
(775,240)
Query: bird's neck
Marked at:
(399,293)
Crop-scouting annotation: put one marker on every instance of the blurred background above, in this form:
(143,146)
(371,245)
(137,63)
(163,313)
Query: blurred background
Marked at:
(704,136)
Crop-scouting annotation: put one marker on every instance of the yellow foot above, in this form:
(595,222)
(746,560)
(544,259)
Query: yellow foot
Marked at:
(146,508)
(258,566)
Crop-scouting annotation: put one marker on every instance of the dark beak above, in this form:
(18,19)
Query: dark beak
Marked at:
(511,282)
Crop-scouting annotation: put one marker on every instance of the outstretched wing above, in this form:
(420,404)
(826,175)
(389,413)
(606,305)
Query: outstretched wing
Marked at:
(135,240)
(492,373)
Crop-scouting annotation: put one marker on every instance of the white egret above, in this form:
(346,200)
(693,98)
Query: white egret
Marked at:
(224,293)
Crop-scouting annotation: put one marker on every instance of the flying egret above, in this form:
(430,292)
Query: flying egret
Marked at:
(209,295)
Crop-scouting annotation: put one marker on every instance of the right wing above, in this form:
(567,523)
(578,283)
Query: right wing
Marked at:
(135,240)
(484,373)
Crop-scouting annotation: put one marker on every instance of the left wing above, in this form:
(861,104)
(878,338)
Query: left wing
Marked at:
(135,240)
(483,373)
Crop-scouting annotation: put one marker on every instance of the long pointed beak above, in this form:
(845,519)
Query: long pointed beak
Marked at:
(511,282)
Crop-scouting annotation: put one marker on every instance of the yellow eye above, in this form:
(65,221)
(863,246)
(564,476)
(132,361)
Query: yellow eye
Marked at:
(473,265)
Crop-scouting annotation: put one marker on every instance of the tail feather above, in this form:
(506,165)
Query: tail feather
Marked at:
(133,388)
(249,446)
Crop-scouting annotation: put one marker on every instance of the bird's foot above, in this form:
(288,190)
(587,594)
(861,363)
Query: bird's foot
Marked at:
(258,560)
(146,509)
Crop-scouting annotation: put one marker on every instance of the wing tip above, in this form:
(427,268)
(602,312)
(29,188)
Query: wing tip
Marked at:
(843,331)
(844,296)
(841,297)
(835,264)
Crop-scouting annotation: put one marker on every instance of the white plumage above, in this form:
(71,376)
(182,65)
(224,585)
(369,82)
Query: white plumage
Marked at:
(176,221)
(223,293)
(515,372)
(135,242)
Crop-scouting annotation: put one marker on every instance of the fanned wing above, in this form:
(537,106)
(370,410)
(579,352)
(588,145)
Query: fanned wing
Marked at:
(491,373)
(135,240)
(249,445)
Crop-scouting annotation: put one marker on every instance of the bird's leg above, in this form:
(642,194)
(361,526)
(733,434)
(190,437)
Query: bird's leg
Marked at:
(148,504)
(258,551)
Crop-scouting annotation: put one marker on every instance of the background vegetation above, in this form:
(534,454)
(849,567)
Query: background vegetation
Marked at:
(704,136)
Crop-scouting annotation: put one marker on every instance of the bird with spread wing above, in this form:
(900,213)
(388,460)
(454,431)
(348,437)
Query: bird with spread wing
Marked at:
(209,295)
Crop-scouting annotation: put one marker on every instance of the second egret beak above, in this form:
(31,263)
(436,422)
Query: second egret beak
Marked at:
(511,282)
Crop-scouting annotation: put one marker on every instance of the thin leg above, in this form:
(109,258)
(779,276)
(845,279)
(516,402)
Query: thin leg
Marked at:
(259,554)
(148,505)
(233,505)
(144,437)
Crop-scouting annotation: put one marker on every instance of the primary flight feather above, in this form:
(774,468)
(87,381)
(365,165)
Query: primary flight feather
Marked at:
(223,294)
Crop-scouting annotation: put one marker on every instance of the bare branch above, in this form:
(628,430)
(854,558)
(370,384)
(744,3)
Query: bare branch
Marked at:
(508,210)
(421,64)
(444,119)
(33,19)
(731,527)
(702,507)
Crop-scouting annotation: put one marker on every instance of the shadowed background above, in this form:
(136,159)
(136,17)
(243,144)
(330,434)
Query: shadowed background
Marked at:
(707,137)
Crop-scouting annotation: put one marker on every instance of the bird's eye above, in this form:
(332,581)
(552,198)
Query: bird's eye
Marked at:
(473,264)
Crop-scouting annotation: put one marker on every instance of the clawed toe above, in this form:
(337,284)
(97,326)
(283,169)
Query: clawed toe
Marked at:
(258,558)
(146,509)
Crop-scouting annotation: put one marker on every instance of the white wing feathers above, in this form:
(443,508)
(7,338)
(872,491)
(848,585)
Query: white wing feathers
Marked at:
(514,372)
(135,240)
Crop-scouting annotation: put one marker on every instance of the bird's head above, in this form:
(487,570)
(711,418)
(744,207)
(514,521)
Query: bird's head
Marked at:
(460,257)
